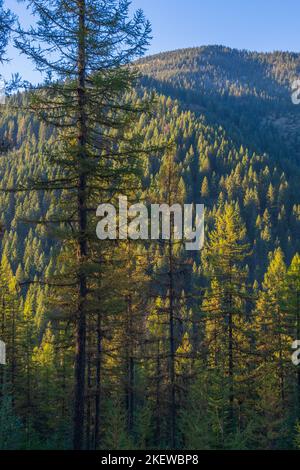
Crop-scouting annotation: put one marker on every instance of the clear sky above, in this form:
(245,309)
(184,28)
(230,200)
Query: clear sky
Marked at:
(262,25)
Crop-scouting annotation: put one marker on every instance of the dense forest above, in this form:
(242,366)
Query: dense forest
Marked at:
(141,344)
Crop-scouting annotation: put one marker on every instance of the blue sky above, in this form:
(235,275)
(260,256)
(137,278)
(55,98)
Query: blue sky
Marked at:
(262,25)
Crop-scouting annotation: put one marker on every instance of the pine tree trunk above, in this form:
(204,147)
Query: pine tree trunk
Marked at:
(298,338)
(130,370)
(230,357)
(230,369)
(158,396)
(89,384)
(172,352)
(98,382)
(80,357)
(2,381)
(172,403)
(281,367)
(13,355)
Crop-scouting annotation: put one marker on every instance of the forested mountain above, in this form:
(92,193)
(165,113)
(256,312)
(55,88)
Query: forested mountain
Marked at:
(247,91)
(184,350)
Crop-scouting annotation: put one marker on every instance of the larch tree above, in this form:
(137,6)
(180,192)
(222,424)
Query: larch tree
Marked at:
(273,345)
(6,21)
(170,267)
(7,315)
(293,314)
(224,305)
(84,49)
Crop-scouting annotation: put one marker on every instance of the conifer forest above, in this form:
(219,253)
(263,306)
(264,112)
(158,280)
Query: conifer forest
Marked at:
(135,344)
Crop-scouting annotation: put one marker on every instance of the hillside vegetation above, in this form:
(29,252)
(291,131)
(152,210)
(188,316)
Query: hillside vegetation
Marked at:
(185,349)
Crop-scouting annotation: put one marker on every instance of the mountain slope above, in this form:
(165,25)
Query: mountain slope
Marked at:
(246,90)
(221,109)
(226,110)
